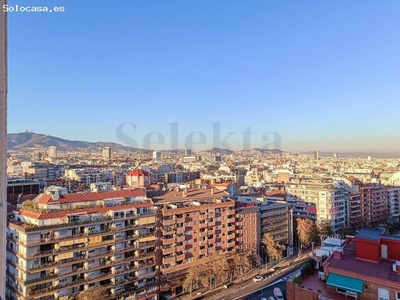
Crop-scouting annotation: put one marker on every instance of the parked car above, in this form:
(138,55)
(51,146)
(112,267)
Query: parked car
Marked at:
(258,278)
(278,293)
(271,298)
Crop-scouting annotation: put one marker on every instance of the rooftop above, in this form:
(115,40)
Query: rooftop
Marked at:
(85,197)
(369,234)
(191,194)
(360,268)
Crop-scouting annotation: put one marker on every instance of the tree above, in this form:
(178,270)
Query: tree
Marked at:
(98,293)
(232,267)
(243,263)
(273,248)
(220,267)
(307,232)
(192,279)
(255,260)
(325,230)
(206,275)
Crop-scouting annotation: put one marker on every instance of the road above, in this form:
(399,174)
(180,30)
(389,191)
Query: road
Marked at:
(265,288)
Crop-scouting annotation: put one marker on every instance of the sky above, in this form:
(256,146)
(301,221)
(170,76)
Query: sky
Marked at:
(293,75)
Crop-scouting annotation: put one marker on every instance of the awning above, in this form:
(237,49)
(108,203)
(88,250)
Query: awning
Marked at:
(345,282)
(65,243)
(65,255)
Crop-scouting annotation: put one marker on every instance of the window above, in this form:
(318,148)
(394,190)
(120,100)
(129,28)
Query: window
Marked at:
(195,213)
(397,295)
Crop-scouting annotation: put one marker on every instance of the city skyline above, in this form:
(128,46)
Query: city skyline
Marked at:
(320,75)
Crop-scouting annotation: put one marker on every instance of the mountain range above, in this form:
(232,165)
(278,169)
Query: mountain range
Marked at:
(26,140)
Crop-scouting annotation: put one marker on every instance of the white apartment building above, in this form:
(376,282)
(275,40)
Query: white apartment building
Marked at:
(63,244)
(331,201)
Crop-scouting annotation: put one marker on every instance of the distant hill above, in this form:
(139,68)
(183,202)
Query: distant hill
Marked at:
(218,151)
(24,140)
(356,154)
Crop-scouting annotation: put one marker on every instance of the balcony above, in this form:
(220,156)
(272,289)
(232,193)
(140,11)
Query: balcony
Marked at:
(168,241)
(180,230)
(170,250)
(180,220)
(143,245)
(168,222)
(180,257)
(203,251)
(181,238)
(168,260)
(203,233)
(203,217)
(24,227)
(41,279)
(180,248)
(203,225)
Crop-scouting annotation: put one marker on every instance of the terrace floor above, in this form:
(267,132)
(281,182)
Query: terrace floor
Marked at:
(312,282)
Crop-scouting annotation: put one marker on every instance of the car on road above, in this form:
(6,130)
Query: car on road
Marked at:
(258,278)
(271,298)
(278,293)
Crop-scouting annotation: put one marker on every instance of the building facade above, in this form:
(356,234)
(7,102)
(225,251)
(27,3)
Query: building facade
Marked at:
(330,200)
(63,244)
(193,225)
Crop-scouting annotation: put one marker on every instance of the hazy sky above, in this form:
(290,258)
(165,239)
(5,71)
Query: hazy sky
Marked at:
(320,74)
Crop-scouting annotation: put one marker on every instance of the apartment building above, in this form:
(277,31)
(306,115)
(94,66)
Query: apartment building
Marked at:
(331,201)
(247,227)
(192,225)
(374,203)
(274,214)
(394,203)
(274,220)
(62,244)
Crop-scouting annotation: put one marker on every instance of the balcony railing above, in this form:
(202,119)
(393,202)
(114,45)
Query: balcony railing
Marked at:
(44,278)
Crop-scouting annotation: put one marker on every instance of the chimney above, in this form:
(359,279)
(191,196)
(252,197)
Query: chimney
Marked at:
(184,193)
(338,252)
(212,191)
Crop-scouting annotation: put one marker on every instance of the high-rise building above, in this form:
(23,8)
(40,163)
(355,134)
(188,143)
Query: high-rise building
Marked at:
(107,153)
(156,155)
(188,152)
(3,145)
(52,152)
(68,243)
(316,155)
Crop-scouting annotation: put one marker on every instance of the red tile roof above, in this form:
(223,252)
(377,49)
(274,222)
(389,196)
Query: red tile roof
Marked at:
(138,172)
(84,197)
(63,214)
